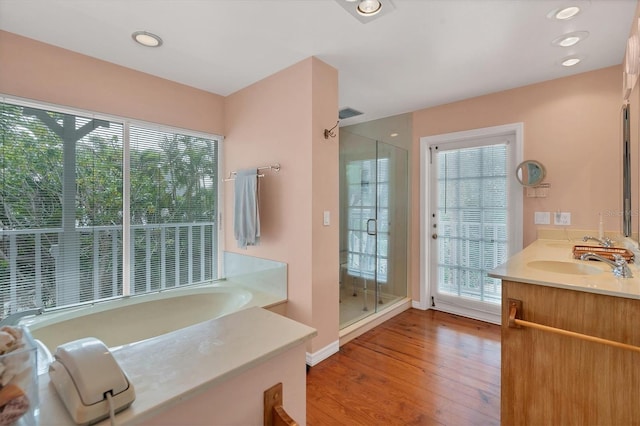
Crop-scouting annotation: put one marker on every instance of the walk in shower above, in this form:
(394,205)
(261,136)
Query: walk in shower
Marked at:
(373,226)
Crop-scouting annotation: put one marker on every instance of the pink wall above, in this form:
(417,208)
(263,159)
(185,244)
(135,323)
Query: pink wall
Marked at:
(280,120)
(39,71)
(571,125)
(325,190)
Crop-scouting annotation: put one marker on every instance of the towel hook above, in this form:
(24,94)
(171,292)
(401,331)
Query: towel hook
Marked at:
(330,132)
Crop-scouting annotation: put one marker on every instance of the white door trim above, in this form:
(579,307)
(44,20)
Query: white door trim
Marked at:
(516,129)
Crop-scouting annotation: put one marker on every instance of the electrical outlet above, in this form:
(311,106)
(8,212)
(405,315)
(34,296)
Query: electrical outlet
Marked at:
(562,218)
(542,218)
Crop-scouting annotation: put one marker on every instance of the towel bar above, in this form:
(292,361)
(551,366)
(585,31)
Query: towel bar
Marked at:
(275,167)
(515,321)
(274,412)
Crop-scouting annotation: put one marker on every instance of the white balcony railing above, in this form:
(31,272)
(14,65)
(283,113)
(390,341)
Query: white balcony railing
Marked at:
(34,271)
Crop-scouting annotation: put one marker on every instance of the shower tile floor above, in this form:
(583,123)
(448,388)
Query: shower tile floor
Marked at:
(352,307)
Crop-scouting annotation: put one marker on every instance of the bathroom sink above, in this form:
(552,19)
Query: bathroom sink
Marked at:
(564,267)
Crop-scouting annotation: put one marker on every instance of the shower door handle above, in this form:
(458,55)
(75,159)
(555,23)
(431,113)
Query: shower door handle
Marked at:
(369,231)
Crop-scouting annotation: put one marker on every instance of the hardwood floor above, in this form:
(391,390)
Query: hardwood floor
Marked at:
(418,368)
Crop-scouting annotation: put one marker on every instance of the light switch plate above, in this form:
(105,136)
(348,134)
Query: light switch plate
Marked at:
(326,218)
(562,218)
(542,218)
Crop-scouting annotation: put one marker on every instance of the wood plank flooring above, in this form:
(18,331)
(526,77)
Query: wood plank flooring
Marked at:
(418,368)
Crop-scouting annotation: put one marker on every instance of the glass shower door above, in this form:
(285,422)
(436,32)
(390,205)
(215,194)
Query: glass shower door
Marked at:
(373,191)
(392,219)
(362,231)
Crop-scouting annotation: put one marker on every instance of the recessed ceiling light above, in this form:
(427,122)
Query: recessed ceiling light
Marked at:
(566,13)
(570,39)
(146,39)
(570,61)
(365,11)
(369,7)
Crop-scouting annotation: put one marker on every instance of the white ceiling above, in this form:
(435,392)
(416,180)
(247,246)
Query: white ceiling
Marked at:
(423,53)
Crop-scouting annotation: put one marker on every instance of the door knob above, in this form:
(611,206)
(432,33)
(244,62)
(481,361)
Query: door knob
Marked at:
(434,236)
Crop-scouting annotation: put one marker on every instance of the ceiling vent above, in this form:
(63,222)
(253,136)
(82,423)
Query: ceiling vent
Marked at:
(348,113)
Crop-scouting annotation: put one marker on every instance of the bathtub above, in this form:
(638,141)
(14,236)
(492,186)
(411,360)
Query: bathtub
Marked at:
(141,317)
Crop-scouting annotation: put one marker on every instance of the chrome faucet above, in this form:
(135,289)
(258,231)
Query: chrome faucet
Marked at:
(618,264)
(14,318)
(606,242)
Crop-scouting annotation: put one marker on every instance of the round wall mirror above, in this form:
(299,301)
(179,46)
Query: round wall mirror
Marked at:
(530,173)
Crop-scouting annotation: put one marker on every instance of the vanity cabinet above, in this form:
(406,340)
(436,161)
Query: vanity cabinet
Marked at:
(552,379)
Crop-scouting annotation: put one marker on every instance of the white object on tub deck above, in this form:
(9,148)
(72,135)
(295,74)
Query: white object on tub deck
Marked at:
(89,381)
(179,365)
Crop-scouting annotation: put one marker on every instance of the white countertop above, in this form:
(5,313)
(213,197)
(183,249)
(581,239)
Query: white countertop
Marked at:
(517,268)
(176,365)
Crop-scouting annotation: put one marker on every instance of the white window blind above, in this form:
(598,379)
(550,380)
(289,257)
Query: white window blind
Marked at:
(472,237)
(61,188)
(173,209)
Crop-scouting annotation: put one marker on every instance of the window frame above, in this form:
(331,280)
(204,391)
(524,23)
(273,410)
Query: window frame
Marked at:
(127,123)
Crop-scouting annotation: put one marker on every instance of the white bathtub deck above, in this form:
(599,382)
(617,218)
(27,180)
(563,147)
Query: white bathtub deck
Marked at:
(174,367)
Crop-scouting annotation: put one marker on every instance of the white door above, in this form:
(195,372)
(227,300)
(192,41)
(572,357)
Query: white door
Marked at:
(474,221)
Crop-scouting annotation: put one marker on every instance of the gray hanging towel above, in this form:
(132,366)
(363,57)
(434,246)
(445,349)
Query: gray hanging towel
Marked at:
(246,215)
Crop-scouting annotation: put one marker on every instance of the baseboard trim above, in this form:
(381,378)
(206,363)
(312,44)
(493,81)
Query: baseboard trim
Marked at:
(419,304)
(351,332)
(469,313)
(324,353)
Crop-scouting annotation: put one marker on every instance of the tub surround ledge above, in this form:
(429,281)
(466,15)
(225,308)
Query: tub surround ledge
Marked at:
(176,366)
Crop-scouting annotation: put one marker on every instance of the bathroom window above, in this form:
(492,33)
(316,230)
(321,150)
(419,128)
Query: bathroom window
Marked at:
(70,235)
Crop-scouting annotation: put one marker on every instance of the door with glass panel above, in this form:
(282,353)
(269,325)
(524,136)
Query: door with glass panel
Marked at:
(372,261)
(470,223)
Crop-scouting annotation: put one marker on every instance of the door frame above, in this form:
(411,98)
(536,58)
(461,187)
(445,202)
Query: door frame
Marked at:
(515,217)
